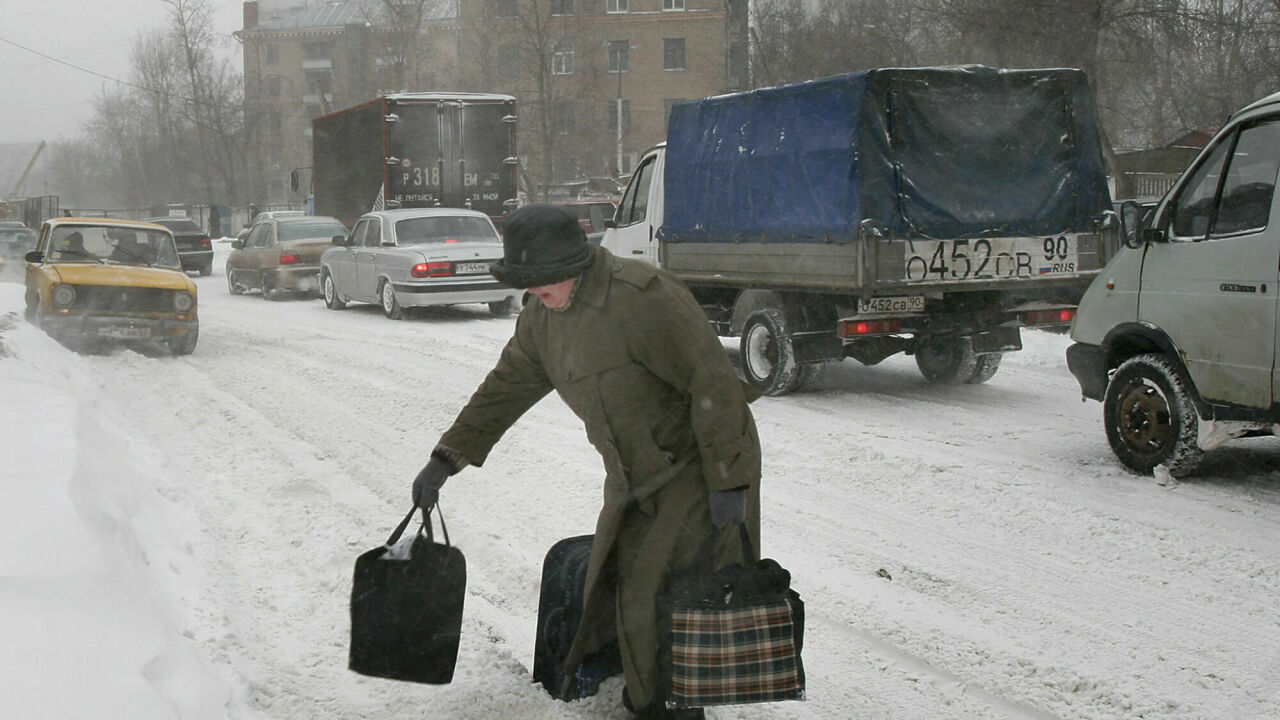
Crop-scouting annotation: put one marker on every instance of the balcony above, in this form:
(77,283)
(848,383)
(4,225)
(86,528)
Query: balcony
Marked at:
(314,65)
(314,99)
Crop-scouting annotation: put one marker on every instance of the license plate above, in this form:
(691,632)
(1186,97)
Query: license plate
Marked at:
(990,258)
(472,268)
(884,305)
(125,332)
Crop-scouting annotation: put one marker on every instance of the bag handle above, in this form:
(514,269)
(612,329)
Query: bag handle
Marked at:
(426,525)
(707,553)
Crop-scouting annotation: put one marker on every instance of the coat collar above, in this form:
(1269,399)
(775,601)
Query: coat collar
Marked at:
(593,288)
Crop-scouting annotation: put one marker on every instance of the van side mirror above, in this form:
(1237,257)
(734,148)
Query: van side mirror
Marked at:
(610,223)
(1135,218)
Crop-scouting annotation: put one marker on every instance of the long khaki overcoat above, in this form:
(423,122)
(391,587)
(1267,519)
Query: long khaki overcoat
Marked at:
(636,359)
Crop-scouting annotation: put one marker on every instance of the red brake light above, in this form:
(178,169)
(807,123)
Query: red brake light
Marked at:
(451,240)
(206,242)
(432,269)
(850,328)
(288,259)
(1050,317)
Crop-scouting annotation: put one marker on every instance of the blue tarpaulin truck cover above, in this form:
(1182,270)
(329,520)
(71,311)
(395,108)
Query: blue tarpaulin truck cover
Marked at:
(959,152)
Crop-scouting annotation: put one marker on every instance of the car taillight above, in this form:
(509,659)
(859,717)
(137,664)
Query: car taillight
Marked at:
(289,259)
(432,269)
(1049,317)
(206,243)
(853,328)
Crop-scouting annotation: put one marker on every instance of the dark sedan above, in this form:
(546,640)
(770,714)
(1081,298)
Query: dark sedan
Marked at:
(194,246)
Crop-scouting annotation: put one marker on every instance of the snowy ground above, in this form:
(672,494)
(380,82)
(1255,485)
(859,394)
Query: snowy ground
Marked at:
(179,533)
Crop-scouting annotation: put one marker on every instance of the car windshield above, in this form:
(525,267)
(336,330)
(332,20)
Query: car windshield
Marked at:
(311,230)
(178,224)
(430,230)
(112,245)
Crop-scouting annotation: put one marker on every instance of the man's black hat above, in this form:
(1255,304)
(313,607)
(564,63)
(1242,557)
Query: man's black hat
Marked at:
(541,245)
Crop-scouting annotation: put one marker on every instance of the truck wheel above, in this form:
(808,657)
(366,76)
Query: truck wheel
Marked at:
(985,369)
(1149,416)
(390,305)
(946,360)
(331,298)
(768,359)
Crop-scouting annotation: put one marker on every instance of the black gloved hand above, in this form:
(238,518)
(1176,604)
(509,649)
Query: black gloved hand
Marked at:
(426,487)
(728,507)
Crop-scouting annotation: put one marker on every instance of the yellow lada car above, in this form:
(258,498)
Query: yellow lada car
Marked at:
(93,281)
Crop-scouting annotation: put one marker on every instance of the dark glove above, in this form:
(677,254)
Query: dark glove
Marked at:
(728,507)
(426,487)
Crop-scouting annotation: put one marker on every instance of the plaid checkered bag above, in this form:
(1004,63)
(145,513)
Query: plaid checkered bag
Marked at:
(732,636)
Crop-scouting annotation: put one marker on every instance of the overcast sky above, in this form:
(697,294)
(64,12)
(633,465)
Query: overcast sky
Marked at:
(42,99)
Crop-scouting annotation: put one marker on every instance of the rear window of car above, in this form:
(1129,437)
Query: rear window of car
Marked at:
(431,230)
(180,225)
(308,230)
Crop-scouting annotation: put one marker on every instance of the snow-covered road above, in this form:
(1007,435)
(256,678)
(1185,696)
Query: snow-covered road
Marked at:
(964,552)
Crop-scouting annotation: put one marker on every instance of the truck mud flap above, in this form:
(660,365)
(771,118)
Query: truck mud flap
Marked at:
(999,340)
(817,347)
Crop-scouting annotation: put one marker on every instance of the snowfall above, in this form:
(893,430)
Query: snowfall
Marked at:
(179,533)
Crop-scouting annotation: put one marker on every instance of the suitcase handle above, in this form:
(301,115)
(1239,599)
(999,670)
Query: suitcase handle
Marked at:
(426,525)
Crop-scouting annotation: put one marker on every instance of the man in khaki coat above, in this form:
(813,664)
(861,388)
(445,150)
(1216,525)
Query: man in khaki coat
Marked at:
(629,350)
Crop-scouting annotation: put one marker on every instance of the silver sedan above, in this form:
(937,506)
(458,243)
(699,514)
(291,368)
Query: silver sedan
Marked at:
(416,257)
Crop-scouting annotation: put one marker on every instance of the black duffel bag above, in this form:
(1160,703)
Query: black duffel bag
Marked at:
(406,614)
(732,635)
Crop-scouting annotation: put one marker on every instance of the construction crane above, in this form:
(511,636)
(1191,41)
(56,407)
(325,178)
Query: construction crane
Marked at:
(22,180)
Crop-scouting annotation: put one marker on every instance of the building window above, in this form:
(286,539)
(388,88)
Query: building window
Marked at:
(615,6)
(317,50)
(672,4)
(619,52)
(562,58)
(273,53)
(613,116)
(673,53)
(562,117)
(508,61)
(273,86)
(505,8)
(561,7)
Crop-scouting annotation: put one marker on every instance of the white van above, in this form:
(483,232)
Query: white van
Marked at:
(1177,335)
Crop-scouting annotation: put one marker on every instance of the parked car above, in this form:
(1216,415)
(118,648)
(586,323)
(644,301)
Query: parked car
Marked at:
(417,257)
(1177,336)
(267,215)
(96,280)
(281,255)
(16,240)
(195,248)
(592,215)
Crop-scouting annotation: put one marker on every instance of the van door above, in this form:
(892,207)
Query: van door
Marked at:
(639,213)
(1213,286)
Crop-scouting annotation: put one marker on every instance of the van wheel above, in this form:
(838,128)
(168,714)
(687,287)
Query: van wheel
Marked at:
(948,360)
(390,305)
(768,358)
(505,308)
(1150,418)
(331,298)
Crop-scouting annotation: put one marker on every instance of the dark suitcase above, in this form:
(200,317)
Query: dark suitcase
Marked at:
(564,578)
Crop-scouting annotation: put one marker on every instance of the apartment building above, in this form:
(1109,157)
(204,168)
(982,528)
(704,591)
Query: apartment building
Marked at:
(305,58)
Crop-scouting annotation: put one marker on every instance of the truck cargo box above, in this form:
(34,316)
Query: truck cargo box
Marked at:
(965,152)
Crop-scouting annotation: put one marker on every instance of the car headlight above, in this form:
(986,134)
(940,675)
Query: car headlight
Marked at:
(64,296)
(183,301)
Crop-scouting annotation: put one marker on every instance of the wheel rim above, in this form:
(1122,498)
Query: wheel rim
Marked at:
(388,298)
(762,353)
(1144,422)
(328,290)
